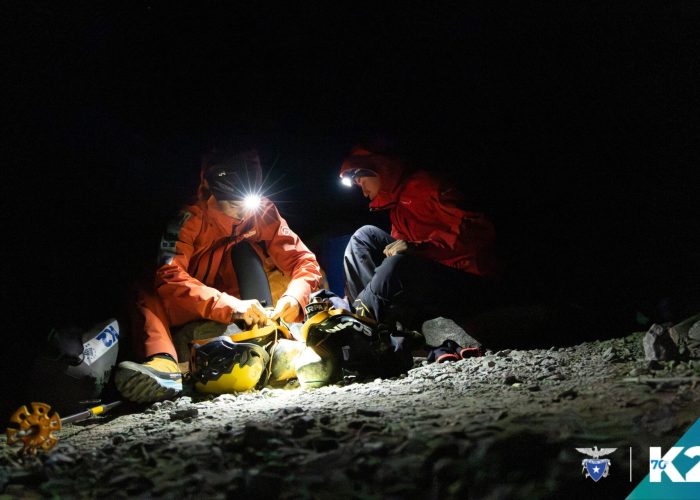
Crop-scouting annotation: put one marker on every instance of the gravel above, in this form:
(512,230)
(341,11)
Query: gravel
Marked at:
(504,425)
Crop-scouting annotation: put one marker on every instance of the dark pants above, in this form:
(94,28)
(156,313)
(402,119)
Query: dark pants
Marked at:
(406,288)
(252,280)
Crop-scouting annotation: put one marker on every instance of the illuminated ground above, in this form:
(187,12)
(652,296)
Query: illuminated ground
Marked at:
(502,426)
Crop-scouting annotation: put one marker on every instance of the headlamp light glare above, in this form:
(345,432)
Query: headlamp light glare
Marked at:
(251,202)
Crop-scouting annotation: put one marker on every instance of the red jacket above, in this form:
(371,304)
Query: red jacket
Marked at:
(197,275)
(425,211)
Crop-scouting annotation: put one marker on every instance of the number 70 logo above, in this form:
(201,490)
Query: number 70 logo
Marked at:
(659,465)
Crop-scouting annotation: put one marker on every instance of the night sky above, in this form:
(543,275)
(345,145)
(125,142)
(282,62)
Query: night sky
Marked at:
(572,124)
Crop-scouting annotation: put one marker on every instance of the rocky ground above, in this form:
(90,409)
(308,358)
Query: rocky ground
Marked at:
(505,425)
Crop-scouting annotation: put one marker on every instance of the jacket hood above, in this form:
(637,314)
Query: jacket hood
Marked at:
(389,169)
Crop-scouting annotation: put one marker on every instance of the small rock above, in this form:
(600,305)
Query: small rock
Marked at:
(290,410)
(131,481)
(330,431)
(15,491)
(184,413)
(658,344)
(118,439)
(355,424)
(57,459)
(655,365)
(322,444)
(256,436)
(368,413)
(225,397)
(568,394)
(375,447)
(437,330)
(301,425)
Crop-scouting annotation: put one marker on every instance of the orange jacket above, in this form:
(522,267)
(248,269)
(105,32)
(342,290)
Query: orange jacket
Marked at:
(197,275)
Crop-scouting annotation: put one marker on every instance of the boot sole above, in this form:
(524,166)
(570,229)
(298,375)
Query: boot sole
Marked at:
(141,385)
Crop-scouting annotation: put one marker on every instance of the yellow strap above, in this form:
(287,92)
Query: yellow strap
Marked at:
(364,319)
(253,333)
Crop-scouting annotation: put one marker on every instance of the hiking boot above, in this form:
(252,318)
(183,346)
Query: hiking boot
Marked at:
(157,379)
(362,310)
(449,350)
(470,352)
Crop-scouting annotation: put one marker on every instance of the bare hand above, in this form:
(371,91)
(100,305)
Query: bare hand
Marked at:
(250,311)
(396,247)
(287,308)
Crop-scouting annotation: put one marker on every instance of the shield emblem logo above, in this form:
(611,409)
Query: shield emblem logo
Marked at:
(597,468)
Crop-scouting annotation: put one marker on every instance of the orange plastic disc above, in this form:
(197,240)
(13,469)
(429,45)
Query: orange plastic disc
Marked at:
(35,428)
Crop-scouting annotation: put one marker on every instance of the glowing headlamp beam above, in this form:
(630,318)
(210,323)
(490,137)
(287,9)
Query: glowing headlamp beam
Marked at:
(346,181)
(251,202)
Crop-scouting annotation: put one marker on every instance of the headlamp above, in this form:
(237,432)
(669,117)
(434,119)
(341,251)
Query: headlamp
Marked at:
(349,178)
(251,202)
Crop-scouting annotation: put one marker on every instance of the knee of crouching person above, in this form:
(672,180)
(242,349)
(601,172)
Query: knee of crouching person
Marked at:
(394,267)
(364,232)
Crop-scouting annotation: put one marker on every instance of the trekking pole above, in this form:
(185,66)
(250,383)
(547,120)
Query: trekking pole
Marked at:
(36,428)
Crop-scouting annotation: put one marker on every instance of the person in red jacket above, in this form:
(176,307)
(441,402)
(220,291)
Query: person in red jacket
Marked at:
(439,259)
(225,257)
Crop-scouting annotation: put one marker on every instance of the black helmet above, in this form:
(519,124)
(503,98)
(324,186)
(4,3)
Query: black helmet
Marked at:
(351,340)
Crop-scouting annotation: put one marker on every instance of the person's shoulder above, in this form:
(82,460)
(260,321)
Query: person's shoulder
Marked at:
(187,218)
(191,211)
(267,212)
(268,208)
(422,181)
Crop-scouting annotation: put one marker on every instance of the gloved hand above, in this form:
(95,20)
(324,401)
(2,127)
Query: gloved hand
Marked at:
(397,247)
(250,311)
(287,309)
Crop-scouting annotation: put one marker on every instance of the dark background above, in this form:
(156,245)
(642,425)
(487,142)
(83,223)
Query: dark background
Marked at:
(572,124)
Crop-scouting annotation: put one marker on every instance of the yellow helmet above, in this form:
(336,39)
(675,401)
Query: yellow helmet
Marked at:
(316,367)
(223,366)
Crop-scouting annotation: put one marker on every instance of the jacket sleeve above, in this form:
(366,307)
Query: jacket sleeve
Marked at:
(448,224)
(440,243)
(290,255)
(176,287)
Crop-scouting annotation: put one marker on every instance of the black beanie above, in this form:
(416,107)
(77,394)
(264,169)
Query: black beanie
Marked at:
(234,176)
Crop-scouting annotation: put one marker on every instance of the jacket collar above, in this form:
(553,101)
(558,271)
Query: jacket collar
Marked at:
(223,221)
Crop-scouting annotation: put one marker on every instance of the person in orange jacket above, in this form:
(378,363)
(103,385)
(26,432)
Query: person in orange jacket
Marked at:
(224,258)
(439,259)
